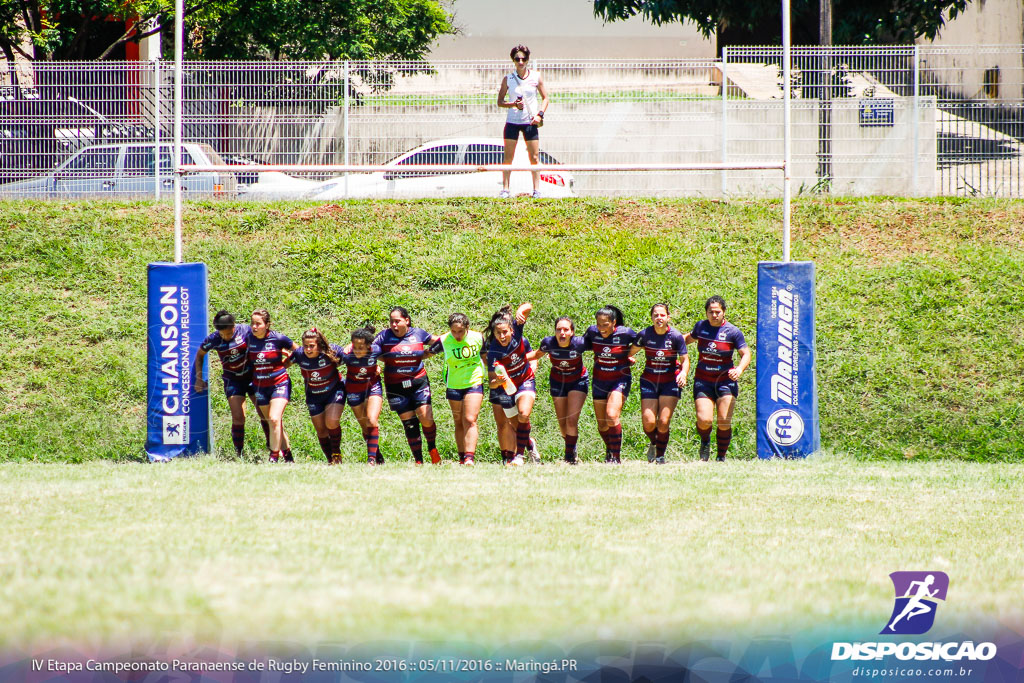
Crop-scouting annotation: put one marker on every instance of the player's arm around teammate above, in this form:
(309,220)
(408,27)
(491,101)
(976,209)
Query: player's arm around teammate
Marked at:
(511,381)
(715,381)
(325,389)
(406,383)
(268,350)
(665,370)
(610,340)
(464,374)
(568,382)
(364,392)
(229,340)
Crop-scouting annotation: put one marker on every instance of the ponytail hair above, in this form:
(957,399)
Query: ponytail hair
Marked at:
(503,316)
(402,312)
(612,313)
(321,342)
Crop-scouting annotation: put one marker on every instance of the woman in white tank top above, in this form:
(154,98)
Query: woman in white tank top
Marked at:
(519,93)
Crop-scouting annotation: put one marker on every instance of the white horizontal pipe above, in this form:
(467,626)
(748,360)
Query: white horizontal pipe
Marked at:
(464,168)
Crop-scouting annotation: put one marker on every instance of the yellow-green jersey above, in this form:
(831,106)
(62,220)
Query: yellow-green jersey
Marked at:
(463,367)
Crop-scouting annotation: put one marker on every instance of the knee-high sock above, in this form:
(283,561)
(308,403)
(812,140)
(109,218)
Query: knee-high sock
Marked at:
(705,435)
(372,437)
(615,441)
(652,435)
(412,435)
(266,430)
(723,437)
(335,436)
(661,443)
(522,437)
(430,434)
(238,437)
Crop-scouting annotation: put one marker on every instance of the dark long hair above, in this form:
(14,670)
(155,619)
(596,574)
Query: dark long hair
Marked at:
(222,320)
(321,342)
(365,334)
(503,316)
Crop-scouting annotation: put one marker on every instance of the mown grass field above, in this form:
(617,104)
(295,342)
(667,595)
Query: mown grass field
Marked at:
(919,306)
(220,553)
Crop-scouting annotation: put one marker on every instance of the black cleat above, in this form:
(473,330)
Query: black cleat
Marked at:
(652,453)
(720,458)
(705,451)
(660,460)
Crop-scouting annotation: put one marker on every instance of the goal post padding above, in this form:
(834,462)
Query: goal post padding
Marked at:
(787,391)
(178,418)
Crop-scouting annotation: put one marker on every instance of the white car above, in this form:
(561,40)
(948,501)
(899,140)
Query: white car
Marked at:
(401,183)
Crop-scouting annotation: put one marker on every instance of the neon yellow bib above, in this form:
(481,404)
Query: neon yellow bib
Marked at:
(462,365)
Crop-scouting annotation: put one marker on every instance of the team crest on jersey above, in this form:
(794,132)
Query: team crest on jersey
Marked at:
(615,340)
(572,354)
(721,335)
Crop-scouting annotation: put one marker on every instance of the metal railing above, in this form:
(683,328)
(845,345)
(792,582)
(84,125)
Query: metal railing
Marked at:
(895,120)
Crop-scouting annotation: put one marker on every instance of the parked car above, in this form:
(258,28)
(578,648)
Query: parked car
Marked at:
(405,183)
(126,170)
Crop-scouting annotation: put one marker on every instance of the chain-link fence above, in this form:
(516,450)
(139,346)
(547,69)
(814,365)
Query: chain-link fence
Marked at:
(895,120)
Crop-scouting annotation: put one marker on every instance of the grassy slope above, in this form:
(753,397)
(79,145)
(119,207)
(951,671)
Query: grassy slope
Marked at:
(222,552)
(919,310)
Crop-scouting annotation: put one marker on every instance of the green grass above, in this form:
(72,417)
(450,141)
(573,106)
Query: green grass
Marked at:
(226,552)
(919,306)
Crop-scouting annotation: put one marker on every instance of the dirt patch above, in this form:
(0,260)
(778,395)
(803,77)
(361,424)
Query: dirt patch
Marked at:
(322,211)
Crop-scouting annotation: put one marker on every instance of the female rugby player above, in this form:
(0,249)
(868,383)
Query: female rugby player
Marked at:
(715,382)
(667,365)
(325,389)
(511,380)
(228,339)
(403,348)
(568,382)
(610,340)
(464,376)
(365,394)
(267,351)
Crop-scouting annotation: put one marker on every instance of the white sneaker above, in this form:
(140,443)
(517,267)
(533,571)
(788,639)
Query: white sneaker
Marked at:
(503,194)
(536,194)
(516,461)
(534,453)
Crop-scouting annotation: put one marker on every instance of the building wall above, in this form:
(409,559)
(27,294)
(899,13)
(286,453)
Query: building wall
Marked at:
(994,74)
(562,29)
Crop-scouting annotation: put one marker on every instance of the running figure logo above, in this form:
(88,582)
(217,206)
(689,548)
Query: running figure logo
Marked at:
(917,596)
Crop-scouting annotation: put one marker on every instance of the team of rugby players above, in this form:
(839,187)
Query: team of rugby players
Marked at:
(255,361)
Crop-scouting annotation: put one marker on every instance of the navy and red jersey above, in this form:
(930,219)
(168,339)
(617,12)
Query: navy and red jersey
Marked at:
(403,357)
(662,352)
(512,356)
(611,353)
(232,352)
(320,373)
(362,373)
(715,347)
(267,357)
(566,362)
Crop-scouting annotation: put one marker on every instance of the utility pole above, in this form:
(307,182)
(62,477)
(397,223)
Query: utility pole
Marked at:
(826,81)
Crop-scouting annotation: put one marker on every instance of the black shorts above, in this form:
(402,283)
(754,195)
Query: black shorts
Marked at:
(715,390)
(402,398)
(529,131)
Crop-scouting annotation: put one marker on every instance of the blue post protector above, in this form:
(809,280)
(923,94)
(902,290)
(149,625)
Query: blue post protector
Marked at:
(787,391)
(178,419)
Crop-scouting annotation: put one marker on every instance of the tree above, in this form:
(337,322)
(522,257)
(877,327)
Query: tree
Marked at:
(225,29)
(759,22)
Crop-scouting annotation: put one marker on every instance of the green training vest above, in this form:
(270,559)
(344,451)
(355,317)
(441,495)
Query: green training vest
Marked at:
(463,367)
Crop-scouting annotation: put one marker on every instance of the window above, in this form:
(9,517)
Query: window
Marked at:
(443,154)
(94,162)
(484,154)
(991,86)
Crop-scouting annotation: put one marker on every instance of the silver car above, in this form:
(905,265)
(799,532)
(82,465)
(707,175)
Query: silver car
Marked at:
(126,170)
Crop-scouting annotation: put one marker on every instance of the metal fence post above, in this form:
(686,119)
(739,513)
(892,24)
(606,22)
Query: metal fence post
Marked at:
(725,118)
(916,122)
(346,129)
(156,129)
